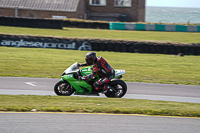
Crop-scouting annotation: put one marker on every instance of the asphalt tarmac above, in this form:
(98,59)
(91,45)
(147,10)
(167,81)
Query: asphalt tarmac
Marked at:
(94,123)
(150,91)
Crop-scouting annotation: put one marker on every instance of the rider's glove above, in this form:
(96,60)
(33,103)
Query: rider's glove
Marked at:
(79,65)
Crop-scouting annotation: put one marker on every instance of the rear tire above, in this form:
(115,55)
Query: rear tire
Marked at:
(63,88)
(120,87)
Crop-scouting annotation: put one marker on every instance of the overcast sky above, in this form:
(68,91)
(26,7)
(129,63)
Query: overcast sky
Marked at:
(174,3)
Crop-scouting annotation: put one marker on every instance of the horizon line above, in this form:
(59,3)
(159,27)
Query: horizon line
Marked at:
(173,7)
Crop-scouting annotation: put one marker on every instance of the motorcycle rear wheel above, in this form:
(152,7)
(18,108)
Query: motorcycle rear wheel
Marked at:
(120,88)
(63,88)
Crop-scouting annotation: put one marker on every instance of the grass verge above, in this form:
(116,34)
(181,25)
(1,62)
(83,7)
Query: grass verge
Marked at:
(50,63)
(177,37)
(23,103)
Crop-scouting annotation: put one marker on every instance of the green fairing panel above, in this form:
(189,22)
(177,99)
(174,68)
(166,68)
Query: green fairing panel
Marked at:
(69,77)
(88,70)
(81,86)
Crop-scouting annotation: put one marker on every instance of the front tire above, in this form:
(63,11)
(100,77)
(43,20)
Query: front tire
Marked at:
(120,88)
(63,88)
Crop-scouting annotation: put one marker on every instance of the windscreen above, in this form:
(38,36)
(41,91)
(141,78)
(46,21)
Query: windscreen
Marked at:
(72,68)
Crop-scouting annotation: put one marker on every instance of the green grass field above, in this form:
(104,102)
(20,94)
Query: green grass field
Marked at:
(178,37)
(23,103)
(50,63)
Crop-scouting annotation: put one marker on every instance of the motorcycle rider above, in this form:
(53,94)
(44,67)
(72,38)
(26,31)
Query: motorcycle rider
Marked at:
(101,67)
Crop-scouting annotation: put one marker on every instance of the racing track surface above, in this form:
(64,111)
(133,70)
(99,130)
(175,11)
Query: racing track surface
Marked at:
(94,123)
(43,86)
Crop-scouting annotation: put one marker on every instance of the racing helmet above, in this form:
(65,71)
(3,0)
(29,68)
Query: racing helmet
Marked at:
(90,57)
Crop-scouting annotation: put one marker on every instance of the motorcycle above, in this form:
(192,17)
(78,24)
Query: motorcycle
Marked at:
(70,84)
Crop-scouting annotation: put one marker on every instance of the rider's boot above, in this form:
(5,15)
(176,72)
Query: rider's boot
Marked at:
(101,89)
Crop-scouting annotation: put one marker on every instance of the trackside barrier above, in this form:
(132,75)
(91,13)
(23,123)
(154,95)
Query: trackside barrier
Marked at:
(154,27)
(31,22)
(49,23)
(119,26)
(91,25)
(98,45)
(139,26)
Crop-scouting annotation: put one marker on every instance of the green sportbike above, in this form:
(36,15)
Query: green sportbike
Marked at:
(69,83)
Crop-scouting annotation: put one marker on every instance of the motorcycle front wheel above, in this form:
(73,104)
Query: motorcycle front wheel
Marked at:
(63,88)
(119,89)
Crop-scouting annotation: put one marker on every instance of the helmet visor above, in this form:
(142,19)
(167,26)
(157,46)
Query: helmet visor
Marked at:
(89,61)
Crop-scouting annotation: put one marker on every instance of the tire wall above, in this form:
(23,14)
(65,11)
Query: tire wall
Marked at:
(91,25)
(31,23)
(98,45)
(49,23)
